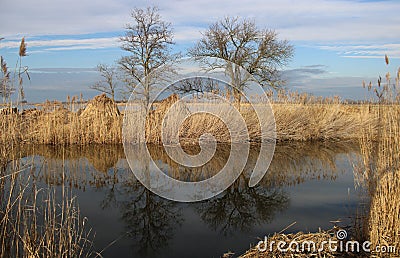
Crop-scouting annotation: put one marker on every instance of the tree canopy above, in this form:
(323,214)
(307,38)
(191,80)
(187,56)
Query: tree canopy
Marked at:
(240,41)
(147,39)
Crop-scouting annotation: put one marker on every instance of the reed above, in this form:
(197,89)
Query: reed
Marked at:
(57,123)
(294,121)
(101,122)
(376,125)
(318,238)
(380,170)
(37,221)
(322,121)
(381,177)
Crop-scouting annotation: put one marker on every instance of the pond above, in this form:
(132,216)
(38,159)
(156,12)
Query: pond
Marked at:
(311,184)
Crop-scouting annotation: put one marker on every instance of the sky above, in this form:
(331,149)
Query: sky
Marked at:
(338,44)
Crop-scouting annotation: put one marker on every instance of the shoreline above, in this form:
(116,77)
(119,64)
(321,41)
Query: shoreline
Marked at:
(100,121)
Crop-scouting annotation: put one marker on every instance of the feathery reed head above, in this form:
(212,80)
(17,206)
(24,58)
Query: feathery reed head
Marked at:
(3,66)
(22,47)
(398,73)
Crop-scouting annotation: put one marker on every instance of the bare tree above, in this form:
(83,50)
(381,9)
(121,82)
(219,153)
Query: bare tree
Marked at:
(148,40)
(109,83)
(196,85)
(240,41)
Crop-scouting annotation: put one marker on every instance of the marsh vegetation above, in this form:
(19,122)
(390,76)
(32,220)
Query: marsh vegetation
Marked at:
(57,156)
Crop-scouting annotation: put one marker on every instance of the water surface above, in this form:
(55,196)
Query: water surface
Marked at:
(310,184)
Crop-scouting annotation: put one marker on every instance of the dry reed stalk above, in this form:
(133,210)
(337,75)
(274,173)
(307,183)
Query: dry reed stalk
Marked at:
(379,171)
(296,122)
(384,219)
(33,222)
(382,179)
(321,122)
(22,48)
(36,222)
(101,122)
(300,237)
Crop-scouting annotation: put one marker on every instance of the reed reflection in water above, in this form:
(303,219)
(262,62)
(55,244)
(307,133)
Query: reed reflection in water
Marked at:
(121,208)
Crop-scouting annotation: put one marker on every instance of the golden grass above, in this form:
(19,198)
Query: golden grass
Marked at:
(322,121)
(294,122)
(101,122)
(377,127)
(380,170)
(38,222)
(381,177)
(384,218)
(35,221)
(299,237)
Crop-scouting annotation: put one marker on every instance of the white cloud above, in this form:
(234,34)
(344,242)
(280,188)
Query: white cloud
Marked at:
(65,44)
(187,33)
(365,51)
(363,57)
(310,20)
(62,17)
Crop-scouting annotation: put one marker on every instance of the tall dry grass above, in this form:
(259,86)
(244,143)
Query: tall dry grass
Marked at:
(294,121)
(36,221)
(384,221)
(39,221)
(381,178)
(322,121)
(380,173)
(299,117)
(101,122)
(35,224)
(56,123)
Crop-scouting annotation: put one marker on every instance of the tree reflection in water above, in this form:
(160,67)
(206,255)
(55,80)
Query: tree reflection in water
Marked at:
(152,222)
(149,219)
(241,207)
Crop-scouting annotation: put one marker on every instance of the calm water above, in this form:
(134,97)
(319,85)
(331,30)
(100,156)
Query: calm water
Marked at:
(311,184)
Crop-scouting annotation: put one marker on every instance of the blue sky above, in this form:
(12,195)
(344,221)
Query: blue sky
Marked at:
(337,43)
